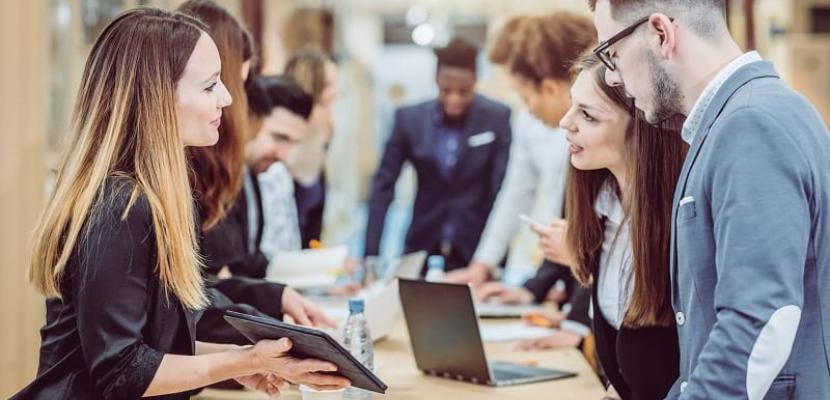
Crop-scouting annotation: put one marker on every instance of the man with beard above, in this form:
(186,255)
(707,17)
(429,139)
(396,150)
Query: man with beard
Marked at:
(750,249)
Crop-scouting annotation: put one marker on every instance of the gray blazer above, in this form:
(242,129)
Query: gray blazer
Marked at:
(750,253)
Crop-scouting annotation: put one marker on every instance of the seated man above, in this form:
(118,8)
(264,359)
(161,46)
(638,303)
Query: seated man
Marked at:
(232,247)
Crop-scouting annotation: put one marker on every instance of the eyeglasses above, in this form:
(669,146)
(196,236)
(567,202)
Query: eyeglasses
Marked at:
(601,51)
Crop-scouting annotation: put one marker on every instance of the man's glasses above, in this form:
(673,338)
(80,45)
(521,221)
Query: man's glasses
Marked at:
(601,51)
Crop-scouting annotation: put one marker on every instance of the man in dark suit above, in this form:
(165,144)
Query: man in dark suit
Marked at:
(458,145)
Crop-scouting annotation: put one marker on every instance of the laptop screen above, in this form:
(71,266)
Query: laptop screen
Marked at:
(443,329)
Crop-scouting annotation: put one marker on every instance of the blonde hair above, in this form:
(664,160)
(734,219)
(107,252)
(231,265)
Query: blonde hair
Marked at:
(124,124)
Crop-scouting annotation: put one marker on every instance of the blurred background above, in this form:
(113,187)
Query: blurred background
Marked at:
(383,49)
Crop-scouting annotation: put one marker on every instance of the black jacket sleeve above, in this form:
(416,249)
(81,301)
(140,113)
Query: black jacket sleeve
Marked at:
(212,326)
(546,276)
(109,291)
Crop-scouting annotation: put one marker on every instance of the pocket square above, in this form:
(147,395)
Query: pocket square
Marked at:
(687,200)
(481,139)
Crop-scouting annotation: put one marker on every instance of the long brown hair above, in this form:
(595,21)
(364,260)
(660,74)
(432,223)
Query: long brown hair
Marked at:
(124,124)
(218,170)
(655,157)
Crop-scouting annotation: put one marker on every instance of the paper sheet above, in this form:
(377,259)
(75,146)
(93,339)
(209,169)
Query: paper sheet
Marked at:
(307,268)
(512,331)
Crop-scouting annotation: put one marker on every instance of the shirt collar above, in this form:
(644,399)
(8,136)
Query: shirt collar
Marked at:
(439,119)
(695,117)
(608,204)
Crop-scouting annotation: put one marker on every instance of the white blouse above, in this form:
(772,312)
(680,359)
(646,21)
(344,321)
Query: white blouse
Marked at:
(615,281)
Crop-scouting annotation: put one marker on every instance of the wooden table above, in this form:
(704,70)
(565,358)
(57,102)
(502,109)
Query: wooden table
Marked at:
(396,367)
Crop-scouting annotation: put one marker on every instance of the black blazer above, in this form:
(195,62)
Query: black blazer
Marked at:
(641,363)
(105,339)
(466,198)
(310,209)
(230,243)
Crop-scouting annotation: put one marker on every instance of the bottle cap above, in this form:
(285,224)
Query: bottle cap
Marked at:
(435,261)
(356,305)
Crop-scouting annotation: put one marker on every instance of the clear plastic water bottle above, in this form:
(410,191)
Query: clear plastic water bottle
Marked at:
(435,268)
(358,340)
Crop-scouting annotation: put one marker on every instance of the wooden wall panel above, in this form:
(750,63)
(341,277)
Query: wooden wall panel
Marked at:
(23,30)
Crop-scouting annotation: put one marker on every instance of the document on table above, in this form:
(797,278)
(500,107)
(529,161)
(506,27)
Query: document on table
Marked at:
(512,331)
(305,269)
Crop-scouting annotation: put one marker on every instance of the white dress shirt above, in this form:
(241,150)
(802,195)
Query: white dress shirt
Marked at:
(534,184)
(692,124)
(615,281)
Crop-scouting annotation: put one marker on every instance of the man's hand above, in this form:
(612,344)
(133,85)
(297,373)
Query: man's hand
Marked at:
(475,274)
(497,291)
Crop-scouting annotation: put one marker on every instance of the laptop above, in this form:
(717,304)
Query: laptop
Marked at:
(444,332)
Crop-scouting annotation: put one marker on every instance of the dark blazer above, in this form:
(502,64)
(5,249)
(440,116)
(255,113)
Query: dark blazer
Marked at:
(465,198)
(230,243)
(107,335)
(311,203)
(641,363)
(546,276)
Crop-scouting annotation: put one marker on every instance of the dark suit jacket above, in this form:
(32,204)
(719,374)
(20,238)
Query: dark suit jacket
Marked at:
(311,203)
(230,243)
(105,339)
(465,198)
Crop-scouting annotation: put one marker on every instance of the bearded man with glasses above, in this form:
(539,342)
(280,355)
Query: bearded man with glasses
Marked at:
(750,248)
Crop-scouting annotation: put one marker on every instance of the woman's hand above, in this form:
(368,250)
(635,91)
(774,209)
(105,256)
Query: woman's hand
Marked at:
(303,311)
(558,340)
(270,357)
(552,240)
(270,384)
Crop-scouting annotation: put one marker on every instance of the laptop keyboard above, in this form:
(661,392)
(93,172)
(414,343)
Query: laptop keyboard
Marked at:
(506,371)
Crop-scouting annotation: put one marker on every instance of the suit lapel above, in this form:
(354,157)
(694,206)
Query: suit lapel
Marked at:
(470,129)
(427,136)
(744,75)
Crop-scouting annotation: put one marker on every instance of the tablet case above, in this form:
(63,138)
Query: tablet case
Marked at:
(307,343)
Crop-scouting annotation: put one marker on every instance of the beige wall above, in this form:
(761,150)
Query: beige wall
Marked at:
(23,28)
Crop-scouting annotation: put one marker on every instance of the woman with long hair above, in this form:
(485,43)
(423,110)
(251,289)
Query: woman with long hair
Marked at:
(620,187)
(229,201)
(537,53)
(115,251)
